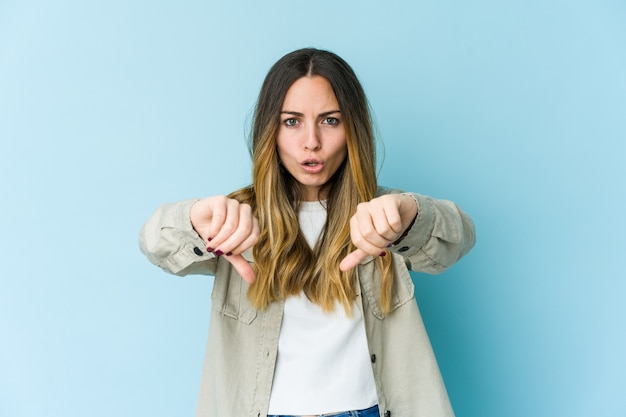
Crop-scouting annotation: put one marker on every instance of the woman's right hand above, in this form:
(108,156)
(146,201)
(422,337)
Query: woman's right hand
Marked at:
(229,228)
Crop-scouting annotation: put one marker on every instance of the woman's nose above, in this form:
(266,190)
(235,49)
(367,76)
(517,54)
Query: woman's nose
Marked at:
(312,140)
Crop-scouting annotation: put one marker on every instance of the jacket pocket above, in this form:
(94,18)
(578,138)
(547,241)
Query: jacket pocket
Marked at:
(229,295)
(402,289)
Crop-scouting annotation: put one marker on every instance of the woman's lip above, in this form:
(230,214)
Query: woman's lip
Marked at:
(312,166)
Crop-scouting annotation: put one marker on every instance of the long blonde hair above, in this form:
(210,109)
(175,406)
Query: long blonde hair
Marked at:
(283,261)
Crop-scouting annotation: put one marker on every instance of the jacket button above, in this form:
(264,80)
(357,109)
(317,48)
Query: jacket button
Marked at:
(197,251)
(403,249)
(373,358)
(387,413)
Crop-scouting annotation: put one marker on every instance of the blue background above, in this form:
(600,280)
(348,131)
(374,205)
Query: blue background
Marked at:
(516,110)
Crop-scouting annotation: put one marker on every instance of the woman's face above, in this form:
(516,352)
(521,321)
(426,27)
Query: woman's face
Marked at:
(311,139)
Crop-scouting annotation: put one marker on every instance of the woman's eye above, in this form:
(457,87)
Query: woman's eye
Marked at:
(331,121)
(290,122)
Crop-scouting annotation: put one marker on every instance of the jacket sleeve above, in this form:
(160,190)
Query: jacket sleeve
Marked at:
(440,235)
(169,241)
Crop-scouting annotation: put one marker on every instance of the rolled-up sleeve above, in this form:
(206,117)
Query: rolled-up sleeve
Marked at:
(440,235)
(169,241)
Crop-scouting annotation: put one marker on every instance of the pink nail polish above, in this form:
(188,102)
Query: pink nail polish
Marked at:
(209,239)
(209,249)
(218,253)
(383,253)
(229,253)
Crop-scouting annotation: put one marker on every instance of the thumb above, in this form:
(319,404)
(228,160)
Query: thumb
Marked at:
(352,259)
(243,267)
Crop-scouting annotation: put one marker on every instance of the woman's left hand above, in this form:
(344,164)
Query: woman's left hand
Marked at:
(377,224)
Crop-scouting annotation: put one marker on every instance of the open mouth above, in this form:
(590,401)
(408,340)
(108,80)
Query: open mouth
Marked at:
(312,166)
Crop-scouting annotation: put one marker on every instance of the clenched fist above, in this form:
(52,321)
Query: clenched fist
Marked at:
(229,228)
(377,224)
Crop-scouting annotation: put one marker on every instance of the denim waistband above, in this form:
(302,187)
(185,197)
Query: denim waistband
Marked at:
(369,412)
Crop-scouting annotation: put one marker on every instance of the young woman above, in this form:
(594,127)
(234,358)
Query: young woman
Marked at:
(313,311)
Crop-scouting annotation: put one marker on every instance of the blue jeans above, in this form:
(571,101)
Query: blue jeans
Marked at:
(370,412)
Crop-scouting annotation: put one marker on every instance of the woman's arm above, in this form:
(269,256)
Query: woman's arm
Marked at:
(170,242)
(440,235)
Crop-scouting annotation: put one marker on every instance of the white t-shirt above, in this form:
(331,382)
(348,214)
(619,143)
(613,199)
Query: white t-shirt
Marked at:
(323,363)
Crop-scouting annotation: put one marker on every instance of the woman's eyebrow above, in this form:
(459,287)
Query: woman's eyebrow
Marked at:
(293,113)
(328,113)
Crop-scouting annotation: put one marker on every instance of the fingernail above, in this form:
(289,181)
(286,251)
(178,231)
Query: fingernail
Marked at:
(209,239)
(209,249)
(383,253)
(229,253)
(218,253)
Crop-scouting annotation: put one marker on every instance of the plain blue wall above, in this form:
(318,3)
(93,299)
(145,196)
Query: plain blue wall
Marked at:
(516,110)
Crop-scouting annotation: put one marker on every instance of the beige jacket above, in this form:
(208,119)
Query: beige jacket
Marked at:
(243,342)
